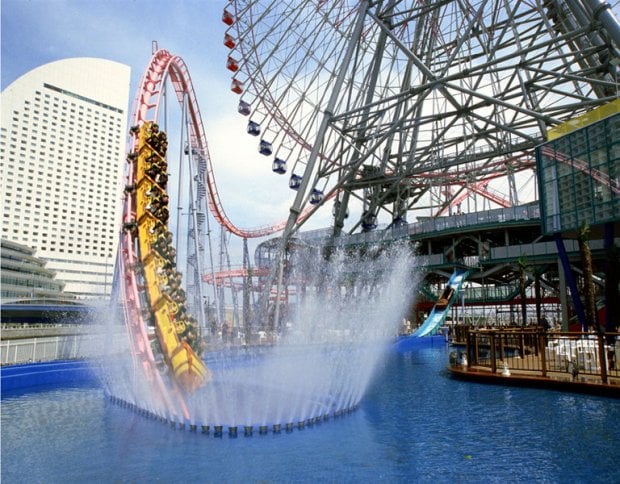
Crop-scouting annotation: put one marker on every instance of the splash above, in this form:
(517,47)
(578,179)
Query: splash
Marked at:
(335,335)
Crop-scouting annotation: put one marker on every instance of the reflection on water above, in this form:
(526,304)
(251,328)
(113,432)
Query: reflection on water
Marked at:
(415,423)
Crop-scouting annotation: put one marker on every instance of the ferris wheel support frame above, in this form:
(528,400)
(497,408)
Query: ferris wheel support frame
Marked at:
(301,196)
(601,11)
(496,74)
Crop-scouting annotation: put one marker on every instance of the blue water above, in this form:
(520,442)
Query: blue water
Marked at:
(415,424)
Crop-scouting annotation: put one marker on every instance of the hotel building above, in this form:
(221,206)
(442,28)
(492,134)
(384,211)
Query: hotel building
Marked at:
(62,150)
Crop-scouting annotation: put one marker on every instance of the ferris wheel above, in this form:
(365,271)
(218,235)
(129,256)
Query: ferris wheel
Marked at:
(398,108)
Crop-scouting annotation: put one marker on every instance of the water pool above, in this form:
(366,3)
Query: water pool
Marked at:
(414,424)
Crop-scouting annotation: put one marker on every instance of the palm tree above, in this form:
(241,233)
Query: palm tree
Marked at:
(588,282)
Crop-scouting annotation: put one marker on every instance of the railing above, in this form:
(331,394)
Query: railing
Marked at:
(68,347)
(432,224)
(532,351)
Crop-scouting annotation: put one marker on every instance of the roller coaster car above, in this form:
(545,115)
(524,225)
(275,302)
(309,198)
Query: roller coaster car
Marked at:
(193,375)
(187,367)
(445,297)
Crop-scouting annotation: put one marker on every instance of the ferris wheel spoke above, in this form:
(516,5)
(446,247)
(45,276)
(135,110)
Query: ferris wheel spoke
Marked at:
(276,98)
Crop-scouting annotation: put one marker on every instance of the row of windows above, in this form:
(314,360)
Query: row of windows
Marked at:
(70,166)
(106,209)
(56,109)
(81,98)
(102,203)
(87,240)
(31,281)
(10,294)
(90,264)
(56,116)
(75,143)
(55,101)
(113,135)
(88,182)
(103,206)
(57,192)
(95,231)
(69,246)
(100,235)
(103,213)
(81,241)
(85,252)
(77,147)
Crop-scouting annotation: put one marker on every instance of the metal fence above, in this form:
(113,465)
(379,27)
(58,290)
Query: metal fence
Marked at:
(68,347)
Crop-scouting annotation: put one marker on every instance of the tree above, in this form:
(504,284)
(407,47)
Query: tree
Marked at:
(588,281)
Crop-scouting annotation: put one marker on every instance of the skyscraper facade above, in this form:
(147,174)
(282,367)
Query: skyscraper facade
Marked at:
(62,149)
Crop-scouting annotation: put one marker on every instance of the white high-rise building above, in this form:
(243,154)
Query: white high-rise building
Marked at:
(62,149)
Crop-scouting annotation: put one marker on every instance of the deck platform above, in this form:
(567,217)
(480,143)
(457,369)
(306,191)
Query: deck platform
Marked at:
(574,362)
(553,381)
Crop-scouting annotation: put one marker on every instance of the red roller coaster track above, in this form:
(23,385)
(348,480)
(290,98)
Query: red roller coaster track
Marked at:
(161,66)
(133,253)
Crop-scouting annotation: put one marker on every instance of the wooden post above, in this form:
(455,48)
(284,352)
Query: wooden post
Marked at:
(501,345)
(476,336)
(602,357)
(492,348)
(542,344)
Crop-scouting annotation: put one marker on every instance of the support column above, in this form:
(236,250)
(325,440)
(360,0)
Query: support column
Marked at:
(563,299)
(581,315)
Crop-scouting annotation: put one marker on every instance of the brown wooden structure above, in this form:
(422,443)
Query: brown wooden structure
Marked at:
(582,362)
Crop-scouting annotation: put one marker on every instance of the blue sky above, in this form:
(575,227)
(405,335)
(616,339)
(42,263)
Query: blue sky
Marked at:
(35,32)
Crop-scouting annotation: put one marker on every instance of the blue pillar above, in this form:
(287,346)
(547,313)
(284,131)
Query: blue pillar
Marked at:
(581,315)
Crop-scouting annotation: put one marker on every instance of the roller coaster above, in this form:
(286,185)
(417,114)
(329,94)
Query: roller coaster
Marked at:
(387,109)
(164,336)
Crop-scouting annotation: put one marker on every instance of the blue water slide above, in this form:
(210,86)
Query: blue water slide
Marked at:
(443,304)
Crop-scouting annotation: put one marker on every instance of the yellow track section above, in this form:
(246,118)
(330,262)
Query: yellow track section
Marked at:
(175,330)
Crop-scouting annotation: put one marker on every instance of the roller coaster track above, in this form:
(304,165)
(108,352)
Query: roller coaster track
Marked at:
(583,166)
(154,303)
(161,66)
